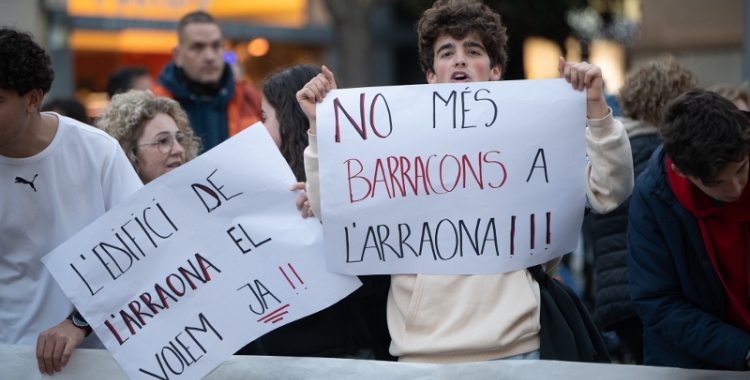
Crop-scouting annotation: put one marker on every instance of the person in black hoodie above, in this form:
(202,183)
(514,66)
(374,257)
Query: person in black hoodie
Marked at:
(643,96)
(355,327)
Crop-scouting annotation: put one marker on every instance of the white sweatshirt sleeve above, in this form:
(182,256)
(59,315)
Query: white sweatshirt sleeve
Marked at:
(609,173)
(313,176)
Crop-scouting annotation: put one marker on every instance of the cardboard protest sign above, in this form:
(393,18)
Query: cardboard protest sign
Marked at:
(465,178)
(200,262)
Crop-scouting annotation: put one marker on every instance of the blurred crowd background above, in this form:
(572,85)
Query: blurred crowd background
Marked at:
(373,42)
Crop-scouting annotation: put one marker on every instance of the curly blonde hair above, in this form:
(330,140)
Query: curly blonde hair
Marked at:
(129,112)
(648,89)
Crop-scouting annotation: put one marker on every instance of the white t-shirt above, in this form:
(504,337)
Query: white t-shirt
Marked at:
(44,200)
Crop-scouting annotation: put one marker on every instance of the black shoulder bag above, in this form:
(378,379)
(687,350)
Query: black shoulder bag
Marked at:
(568,333)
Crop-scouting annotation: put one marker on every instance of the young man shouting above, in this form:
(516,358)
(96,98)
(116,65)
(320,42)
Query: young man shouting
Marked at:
(455,318)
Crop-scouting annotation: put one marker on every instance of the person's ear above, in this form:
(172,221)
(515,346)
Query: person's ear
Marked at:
(496,73)
(35,101)
(176,56)
(677,171)
(431,77)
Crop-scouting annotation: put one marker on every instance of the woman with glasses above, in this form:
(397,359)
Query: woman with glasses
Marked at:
(154,132)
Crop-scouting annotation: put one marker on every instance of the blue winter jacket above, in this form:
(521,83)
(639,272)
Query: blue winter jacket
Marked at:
(208,117)
(673,284)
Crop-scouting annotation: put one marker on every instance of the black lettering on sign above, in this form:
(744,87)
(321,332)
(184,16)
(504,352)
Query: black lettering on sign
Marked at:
(435,95)
(237,241)
(444,240)
(260,292)
(209,196)
(464,106)
(174,357)
(539,153)
(118,257)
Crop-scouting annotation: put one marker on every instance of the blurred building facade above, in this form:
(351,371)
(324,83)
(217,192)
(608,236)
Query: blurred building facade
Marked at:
(705,36)
(88,39)
(98,36)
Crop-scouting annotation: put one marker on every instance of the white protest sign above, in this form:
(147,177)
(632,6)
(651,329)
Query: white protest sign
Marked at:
(469,178)
(200,262)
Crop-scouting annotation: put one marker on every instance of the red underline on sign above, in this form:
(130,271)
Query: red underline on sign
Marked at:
(278,319)
(272,314)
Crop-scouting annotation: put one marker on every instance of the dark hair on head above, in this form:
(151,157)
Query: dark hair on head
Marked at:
(121,80)
(649,88)
(69,107)
(458,18)
(24,65)
(197,17)
(280,92)
(703,132)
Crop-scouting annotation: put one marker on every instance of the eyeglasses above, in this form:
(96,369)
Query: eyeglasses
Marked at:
(165,141)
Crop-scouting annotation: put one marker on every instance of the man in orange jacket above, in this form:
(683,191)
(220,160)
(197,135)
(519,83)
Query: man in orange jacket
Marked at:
(218,105)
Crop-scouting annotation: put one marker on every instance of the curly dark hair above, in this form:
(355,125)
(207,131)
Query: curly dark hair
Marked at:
(280,91)
(458,18)
(24,66)
(703,132)
(649,88)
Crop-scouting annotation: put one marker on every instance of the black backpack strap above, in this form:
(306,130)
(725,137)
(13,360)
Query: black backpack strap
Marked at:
(539,274)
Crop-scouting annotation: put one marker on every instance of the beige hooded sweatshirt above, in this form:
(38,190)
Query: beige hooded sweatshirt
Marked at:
(468,318)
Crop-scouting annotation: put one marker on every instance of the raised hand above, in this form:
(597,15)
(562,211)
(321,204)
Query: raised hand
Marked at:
(583,75)
(314,92)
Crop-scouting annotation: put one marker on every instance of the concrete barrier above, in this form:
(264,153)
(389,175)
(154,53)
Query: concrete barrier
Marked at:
(18,362)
